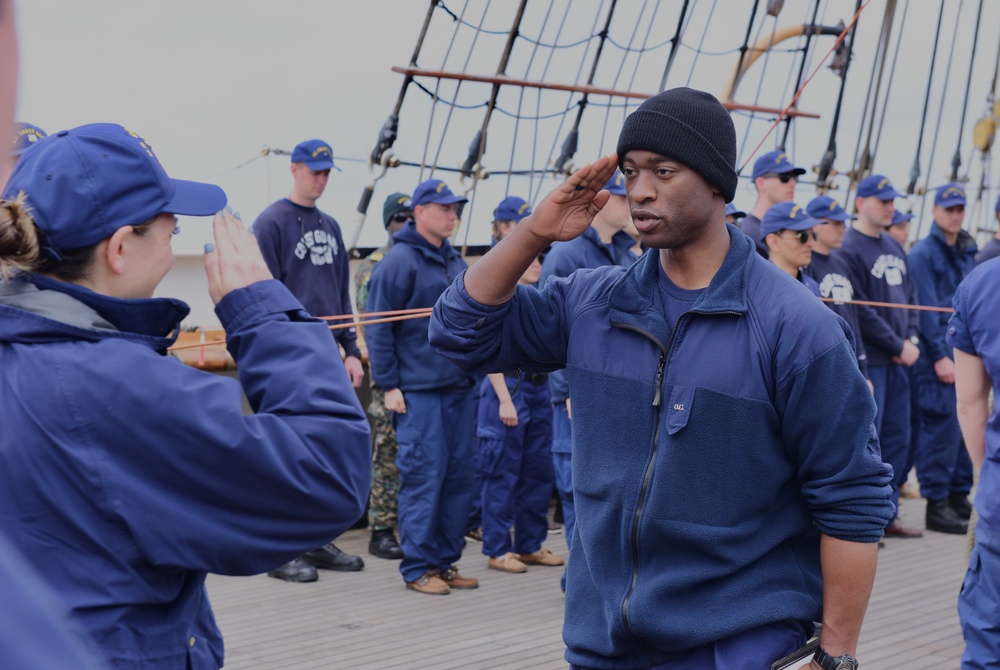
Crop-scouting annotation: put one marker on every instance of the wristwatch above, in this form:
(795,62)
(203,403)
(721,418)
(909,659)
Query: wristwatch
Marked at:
(915,340)
(827,662)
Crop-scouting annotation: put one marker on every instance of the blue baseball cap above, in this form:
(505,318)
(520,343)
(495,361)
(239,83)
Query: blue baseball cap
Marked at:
(786,216)
(949,195)
(899,216)
(616,185)
(436,191)
(775,162)
(316,154)
(878,186)
(825,207)
(511,208)
(732,211)
(25,136)
(84,184)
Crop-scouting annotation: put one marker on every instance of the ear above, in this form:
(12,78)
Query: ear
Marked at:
(114,252)
(771,240)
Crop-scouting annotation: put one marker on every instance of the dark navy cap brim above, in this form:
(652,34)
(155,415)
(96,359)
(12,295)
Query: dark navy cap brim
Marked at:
(194,198)
(738,214)
(803,224)
(442,200)
(319,166)
(797,171)
(951,202)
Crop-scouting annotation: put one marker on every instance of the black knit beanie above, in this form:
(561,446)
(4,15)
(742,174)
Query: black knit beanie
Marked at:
(689,126)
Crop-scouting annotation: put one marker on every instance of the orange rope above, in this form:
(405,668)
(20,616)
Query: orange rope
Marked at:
(893,305)
(400,315)
(795,97)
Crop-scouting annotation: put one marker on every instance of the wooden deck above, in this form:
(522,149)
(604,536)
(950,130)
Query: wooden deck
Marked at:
(368,620)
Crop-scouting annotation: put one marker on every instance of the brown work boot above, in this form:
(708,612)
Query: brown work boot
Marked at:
(456,581)
(541,557)
(430,583)
(507,563)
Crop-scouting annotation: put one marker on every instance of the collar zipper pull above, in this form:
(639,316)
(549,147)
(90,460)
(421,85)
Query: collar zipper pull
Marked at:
(659,380)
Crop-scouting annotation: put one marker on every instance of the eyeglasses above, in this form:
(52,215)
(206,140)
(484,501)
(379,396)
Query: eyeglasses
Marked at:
(401,218)
(785,177)
(803,235)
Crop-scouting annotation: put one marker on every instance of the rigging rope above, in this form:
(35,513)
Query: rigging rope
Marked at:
(830,155)
(840,38)
(888,86)
(956,160)
(937,129)
(863,165)
(698,52)
(621,66)
(763,75)
(676,40)
(915,169)
(802,70)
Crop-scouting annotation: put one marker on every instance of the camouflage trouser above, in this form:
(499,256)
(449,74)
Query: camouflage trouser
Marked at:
(385,475)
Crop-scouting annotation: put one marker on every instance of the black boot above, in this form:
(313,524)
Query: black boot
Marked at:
(328,557)
(383,545)
(960,503)
(295,571)
(942,518)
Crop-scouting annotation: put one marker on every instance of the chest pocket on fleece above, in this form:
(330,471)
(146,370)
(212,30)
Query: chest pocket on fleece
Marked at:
(679,408)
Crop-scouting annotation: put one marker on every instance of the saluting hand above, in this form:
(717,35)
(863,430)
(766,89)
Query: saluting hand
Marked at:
(235,260)
(569,209)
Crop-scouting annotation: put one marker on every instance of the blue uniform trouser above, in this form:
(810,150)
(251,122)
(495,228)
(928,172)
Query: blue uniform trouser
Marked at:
(435,461)
(562,461)
(943,465)
(892,421)
(755,648)
(979,602)
(475,521)
(516,467)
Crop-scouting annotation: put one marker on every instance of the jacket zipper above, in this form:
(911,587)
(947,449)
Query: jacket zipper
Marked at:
(658,403)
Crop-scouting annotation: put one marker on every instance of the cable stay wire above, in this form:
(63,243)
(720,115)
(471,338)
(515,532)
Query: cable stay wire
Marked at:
(538,102)
(830,155)
(915,168)
(922,194)
(888,87)
(698,52)
(763,74)
(862,159)
(675,43)
(621,67)
(956,161)
(570,143)
(473,162)
(806,54)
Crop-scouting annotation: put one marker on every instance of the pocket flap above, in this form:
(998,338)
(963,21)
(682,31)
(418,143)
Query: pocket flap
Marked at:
(679,408)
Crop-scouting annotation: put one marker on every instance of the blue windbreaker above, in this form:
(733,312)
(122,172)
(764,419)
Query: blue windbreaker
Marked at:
(126,475)
(937,269)
(413,274)
(707,458)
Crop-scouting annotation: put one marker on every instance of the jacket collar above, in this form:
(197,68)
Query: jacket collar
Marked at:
(621,241)
(965,244)
(408,235)
(634,299)
(153,321)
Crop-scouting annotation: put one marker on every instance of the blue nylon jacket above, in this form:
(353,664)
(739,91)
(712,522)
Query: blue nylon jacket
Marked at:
(413,274)
(565,258)
(126,475)
(937,269)
(707,458)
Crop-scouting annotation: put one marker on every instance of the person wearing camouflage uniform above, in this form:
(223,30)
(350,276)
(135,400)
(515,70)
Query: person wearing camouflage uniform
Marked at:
(382,519)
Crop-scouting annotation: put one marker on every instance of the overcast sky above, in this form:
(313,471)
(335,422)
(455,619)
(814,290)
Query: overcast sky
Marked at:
(210,83)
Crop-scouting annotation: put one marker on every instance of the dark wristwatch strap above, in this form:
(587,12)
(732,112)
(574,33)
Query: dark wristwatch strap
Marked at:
(827,662)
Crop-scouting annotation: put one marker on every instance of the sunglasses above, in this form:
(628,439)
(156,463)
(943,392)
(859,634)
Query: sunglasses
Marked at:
(401,218)
(803,235)
(785,177)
